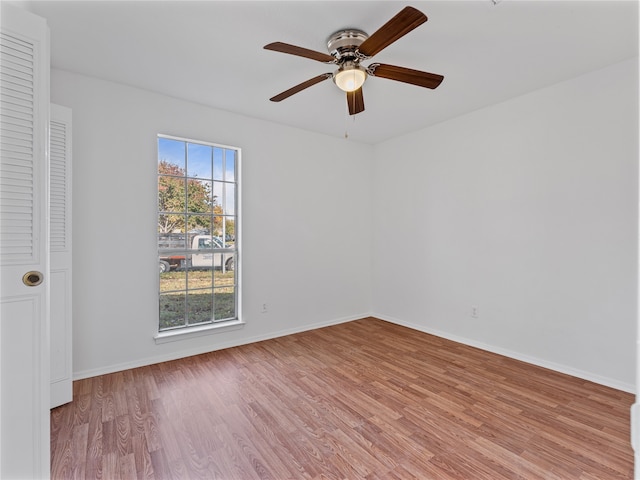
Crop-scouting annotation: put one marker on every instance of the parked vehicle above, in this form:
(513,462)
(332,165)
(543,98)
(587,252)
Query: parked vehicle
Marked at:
(201,252)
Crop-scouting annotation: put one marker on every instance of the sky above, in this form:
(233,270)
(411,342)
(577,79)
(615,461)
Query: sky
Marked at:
(198,159)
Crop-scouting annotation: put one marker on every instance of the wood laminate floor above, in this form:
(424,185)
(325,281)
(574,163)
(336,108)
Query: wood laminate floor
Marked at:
(361,400)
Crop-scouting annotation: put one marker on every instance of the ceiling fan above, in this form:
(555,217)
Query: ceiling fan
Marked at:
(349,48)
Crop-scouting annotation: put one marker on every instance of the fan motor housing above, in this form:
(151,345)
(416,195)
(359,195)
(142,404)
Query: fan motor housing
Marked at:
(343,43)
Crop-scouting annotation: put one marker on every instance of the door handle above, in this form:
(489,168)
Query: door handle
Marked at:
(32,279)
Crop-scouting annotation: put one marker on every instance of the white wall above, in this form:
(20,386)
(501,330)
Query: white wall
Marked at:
(307,212)
(527,210)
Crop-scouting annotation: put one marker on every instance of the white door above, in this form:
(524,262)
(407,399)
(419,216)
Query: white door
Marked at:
(60,254)
(24,283)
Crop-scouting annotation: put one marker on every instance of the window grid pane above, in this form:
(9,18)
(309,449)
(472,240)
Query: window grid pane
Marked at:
(197,198)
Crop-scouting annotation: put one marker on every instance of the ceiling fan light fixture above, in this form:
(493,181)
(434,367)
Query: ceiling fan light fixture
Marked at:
(348,48)
(350,78)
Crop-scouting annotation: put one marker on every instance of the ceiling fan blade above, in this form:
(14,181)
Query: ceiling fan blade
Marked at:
(406,75)
(300,87)
(355,101)
(405,21)
(299,51)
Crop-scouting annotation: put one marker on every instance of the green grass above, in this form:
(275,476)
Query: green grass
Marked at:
(210,296)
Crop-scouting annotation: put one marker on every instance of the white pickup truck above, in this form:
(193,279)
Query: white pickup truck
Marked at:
(203,251)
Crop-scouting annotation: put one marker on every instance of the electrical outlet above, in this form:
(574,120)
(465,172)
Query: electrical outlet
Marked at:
(265,308)
(474,312)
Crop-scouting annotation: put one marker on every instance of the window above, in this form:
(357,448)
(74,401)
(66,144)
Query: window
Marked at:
(197,244)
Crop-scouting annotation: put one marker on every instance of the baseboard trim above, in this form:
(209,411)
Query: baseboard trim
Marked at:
(608,382)
(175,355)
(589,376)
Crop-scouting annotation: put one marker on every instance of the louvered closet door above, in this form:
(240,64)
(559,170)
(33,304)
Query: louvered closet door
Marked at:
(24,332)
(60,254)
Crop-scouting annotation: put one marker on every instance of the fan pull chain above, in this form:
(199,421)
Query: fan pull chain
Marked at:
(346,124)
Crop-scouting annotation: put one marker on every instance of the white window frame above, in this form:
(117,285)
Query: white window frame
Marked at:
(186,332)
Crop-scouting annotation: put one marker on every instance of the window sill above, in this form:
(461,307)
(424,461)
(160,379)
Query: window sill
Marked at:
(199,331)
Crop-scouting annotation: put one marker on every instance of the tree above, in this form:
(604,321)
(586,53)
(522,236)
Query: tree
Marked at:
(230,227)
(217,220)
(174,189)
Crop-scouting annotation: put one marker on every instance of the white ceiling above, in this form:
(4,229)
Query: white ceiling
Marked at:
(210,52)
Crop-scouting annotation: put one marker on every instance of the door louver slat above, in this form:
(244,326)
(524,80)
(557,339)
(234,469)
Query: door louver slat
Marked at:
(17,180)
(58,232)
